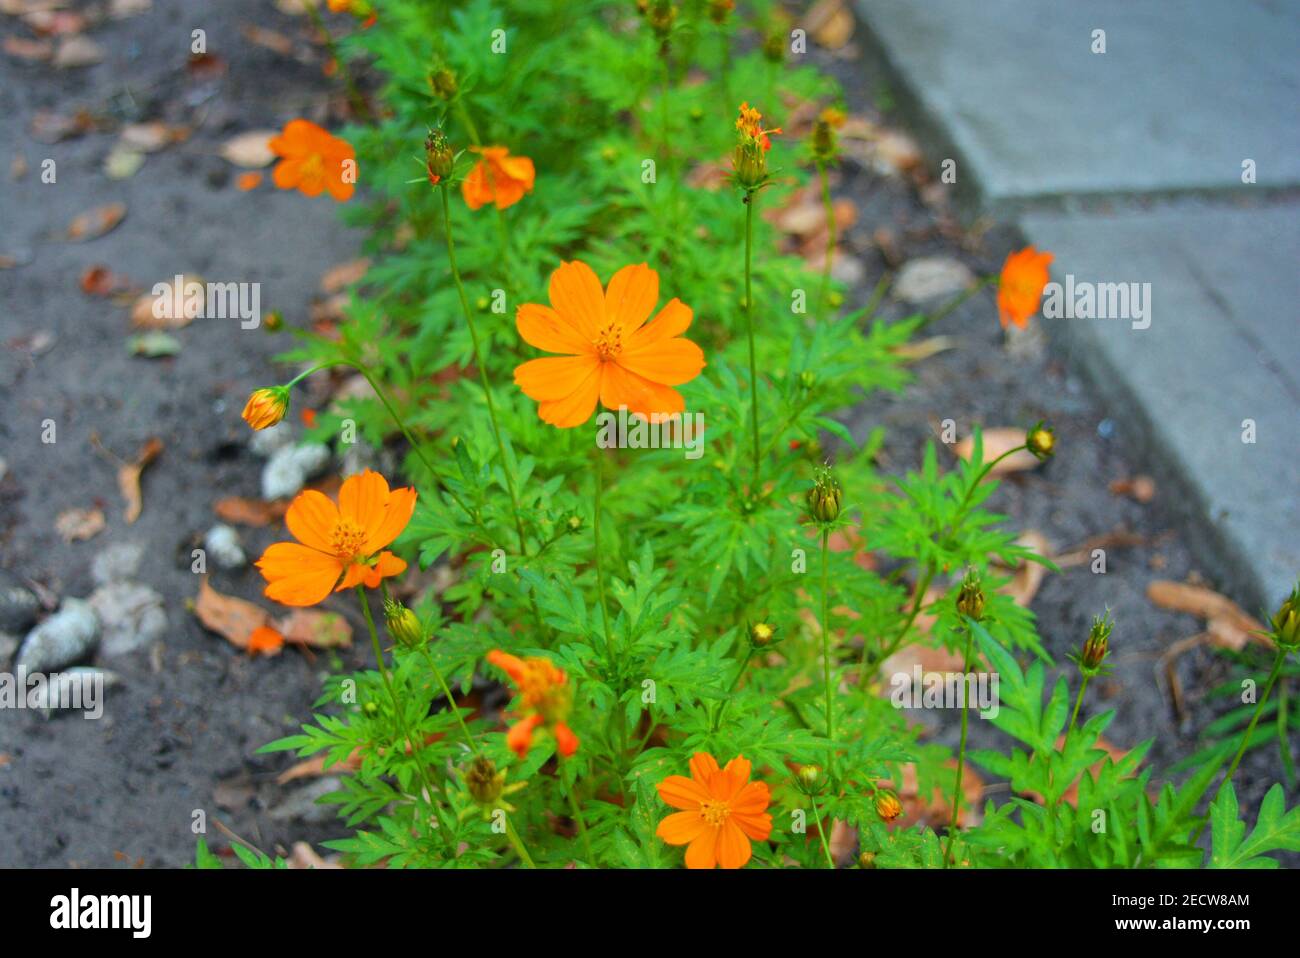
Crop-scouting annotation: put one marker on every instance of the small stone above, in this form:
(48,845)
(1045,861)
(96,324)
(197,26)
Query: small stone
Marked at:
(930,277)
(288,469)
(118,563)
(266,442)
(68,636)
(131,615)
(18,604)
(8,646)
(222,543)
(302,805)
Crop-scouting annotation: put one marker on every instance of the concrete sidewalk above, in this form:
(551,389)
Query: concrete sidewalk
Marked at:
(1128,165)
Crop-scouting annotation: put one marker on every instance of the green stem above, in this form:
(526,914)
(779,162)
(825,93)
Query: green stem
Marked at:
(451,702)
(826,648)
(517,844)
(961,751)
(482,373)
(821,832)
(1245,739)
(957,300)
(582,827)
(1074,717)
(830,237)
(751,198)
(398,711)
(359,105)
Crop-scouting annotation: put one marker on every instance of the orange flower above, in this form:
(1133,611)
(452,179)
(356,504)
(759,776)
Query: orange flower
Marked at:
(248,181)
(313,161)
(544,700)
(610,352)
(750,125)
(341,546)
(721,811)
(266,406)
(498,178)
(1020,287)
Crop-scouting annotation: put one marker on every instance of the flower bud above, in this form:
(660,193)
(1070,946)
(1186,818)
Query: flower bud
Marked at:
(810,779)
(403,624)
(761,634)
(484,782)
(266,406)
(970,597)
(661,15)
(749,159)
(1096,646)
(439,158)
(825,496)
(888,807)
(867,860)
(1286,623)
(719,10)
(442,83)
(1041,441)
(823,142)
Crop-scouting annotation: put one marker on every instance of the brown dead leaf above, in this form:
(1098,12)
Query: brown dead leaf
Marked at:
(35,51)
(249,512)
(1228,626)
(314,767)
(151,137)
(171,303)
(317,629)
(343,275)
(916,351)
(95,223)
(935,809)
(1139,488)
(205,67)
(99,280)
(77,525)
(270,39)
(997,441)
(1028,576)
(251,150)
(128,478)
(302,855)
(830,23)
(50,127)
(232,618)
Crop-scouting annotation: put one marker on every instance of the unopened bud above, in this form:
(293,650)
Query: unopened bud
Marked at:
(1041,441)
(970,597)
(825,496)
(888,807)
(403,624)
(439,157)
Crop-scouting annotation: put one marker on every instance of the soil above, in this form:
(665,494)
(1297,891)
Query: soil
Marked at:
(180,732)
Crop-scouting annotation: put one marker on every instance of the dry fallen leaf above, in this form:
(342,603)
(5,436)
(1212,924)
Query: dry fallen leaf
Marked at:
(170,303)
(128,478)
(830,23)
(270,39)
(1139,488)
(1028,576)
(916,351)
(251,150)
(151,137)
(302,855)
(314,767)
(36,51)
(343,275)
(232,618)
(96,222)
(997,441)
(76,525)
(1228,626)
(249,512)
(317,629)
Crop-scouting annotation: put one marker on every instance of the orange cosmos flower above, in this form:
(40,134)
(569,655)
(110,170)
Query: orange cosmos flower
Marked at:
(313,161)
(750,125)
(721,811)
(610,352)
(498,178)
(1020,287)
(544,700)
(341,546)
(266,406)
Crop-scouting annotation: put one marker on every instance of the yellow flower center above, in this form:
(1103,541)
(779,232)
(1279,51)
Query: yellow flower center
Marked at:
(313,167)
(347,539)
(610,342)
(714,812)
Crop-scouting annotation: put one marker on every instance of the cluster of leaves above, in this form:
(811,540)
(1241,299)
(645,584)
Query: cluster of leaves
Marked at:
(694,551)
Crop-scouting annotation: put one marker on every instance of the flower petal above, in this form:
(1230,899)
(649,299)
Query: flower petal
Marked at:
(631,296)
(362,499)
(297,575)
(554,377)
(577,295)
(702,853)
(397,513)
(543,327)
(757,827)
(311,518)
(576,408)
(733,846)
(512,665)
(703,767)
(682,828)
(386,566)
(670,361)
(673,320)
(682,792)
(622,387)
(751,799)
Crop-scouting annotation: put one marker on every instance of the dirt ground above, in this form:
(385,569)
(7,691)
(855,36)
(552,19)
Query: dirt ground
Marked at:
(180,731)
